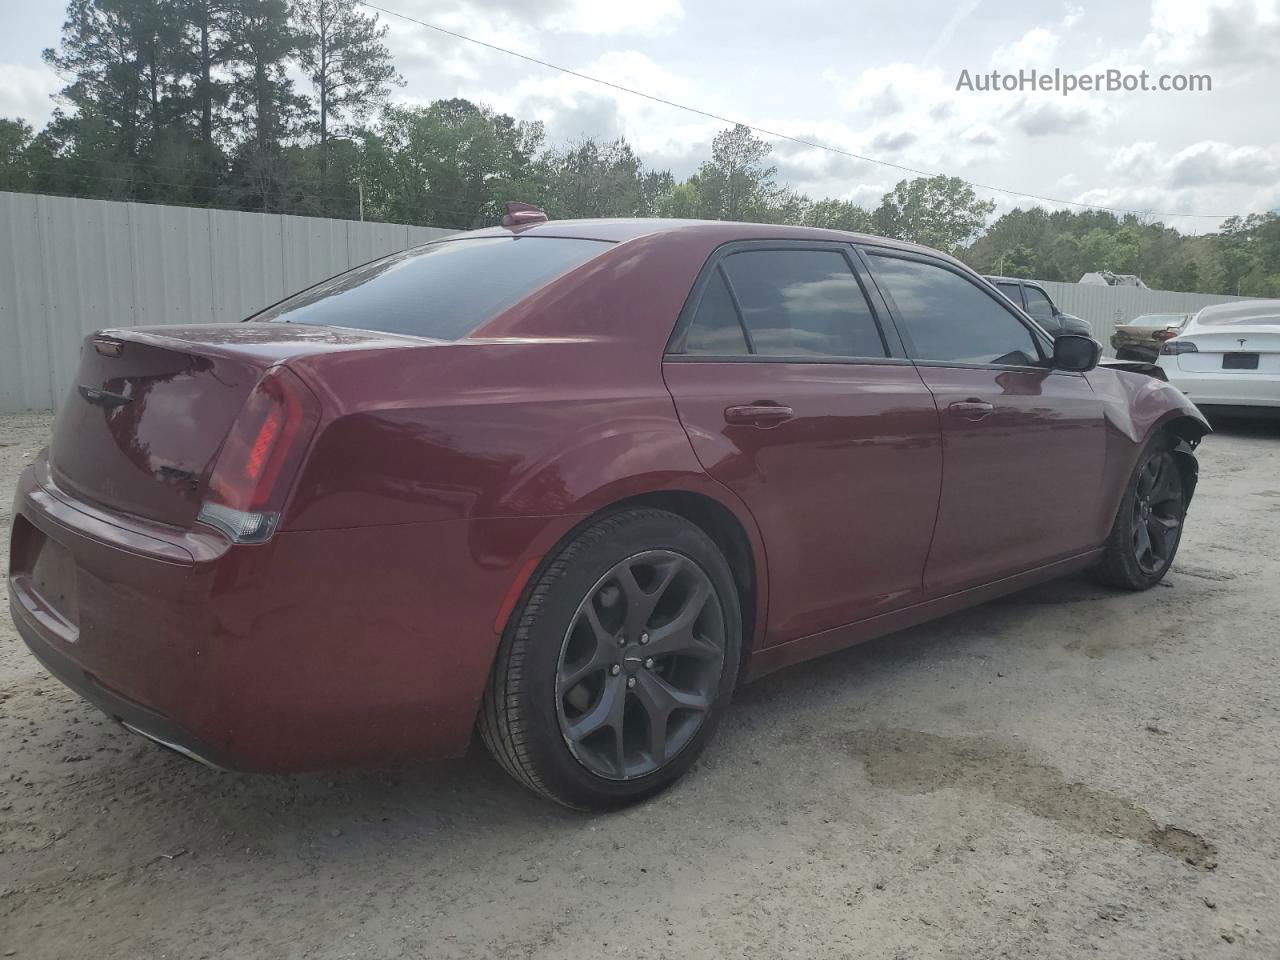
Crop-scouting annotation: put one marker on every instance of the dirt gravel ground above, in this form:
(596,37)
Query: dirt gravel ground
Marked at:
(1070,772)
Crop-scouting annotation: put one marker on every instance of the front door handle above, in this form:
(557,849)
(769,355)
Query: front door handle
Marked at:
(758,414)
(971,409)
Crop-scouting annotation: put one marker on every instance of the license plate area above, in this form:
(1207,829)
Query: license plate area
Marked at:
(1239,361)
(46,573)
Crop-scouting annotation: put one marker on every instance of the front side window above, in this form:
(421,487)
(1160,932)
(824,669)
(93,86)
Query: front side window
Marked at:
(442,290)
(1038,304)
(947,318)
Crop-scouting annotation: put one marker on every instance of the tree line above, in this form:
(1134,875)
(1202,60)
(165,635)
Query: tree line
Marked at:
(283,106)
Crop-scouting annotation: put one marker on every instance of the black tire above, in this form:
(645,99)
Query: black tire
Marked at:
(524,718)
(1140,522)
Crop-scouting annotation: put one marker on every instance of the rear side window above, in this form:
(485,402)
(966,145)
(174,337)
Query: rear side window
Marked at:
(948,318)
(442,290)
(800,303)
(716,329)
(1011,291)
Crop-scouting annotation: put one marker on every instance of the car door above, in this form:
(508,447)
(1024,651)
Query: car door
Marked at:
(793,388)
(1023,445)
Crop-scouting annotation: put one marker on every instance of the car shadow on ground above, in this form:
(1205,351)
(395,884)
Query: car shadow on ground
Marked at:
(473,794)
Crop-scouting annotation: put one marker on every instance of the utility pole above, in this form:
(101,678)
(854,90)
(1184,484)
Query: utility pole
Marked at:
(360,184)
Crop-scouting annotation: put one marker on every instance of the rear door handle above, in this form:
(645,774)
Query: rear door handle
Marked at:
(971,409)
(758,414)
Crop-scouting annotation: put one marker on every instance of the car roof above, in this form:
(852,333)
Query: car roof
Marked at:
(724,231)
(1238,310)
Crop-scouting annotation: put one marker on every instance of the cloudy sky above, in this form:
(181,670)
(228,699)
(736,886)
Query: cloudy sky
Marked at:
(879,82)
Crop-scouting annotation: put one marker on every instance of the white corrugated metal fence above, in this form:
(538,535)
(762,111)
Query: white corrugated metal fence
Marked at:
(70,266)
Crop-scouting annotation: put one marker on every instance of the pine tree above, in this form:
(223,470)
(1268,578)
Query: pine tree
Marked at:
(349,66)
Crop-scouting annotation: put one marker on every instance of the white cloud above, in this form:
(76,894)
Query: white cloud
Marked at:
(596,17)
(1211,162)
(1137,161)
(962,12)
(1231,34)
(1035,48)
(25,92)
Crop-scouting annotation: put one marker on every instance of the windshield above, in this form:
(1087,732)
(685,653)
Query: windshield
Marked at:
(443,290)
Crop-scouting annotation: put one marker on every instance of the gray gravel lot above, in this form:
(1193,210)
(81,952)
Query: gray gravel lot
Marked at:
(1071,771)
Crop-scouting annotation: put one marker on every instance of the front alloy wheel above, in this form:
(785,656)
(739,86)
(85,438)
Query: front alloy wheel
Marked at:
(1158,510)
(1147,529)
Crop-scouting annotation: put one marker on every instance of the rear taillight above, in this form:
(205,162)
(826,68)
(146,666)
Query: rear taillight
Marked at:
(1172,348)
(260,457)
(1165,334)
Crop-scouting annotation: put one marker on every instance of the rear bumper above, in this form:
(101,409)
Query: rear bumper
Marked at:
(325,649)
(140,719)
(1215,388)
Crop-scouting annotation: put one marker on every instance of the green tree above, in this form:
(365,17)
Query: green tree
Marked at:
(737,183)
(590,179)
(114,56)
(15,146)
(834,214)
(453,163)
(342,54)
(941,212)
(270,113)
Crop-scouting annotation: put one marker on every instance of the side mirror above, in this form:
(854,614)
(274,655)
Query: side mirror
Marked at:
(1076,353)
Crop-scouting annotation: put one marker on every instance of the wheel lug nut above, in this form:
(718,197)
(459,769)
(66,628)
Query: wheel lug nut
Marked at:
(622,641)
(648,663)
(644,638)
(631,682)
(615,669)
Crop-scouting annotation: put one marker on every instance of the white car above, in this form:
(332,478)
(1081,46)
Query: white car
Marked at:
(1228,355)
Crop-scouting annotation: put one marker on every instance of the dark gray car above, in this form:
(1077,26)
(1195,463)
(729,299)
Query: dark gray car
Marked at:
(1032,298)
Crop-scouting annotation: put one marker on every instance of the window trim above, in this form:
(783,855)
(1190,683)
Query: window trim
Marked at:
(1039,338)
(895,353)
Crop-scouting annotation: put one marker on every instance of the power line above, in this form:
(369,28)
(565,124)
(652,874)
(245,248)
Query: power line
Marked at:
(774,133)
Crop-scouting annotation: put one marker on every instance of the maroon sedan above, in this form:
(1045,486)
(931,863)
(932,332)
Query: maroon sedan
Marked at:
(568,483)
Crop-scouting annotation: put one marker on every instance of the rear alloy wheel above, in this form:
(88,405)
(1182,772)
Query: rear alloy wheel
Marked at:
(640,665)
(614,673)
(1148,525)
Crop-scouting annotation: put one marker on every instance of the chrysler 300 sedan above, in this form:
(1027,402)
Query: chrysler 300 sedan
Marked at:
(568,483)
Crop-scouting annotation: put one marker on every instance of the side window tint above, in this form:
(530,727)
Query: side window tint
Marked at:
(948,318)
(715,329)
(803,303)
(1010,290)
(1038,304)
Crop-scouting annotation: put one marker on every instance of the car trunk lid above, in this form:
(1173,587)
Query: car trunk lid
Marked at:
(142,426)
(1239,341)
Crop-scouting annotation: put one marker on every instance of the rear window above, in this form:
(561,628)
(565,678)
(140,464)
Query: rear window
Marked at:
(442,290)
